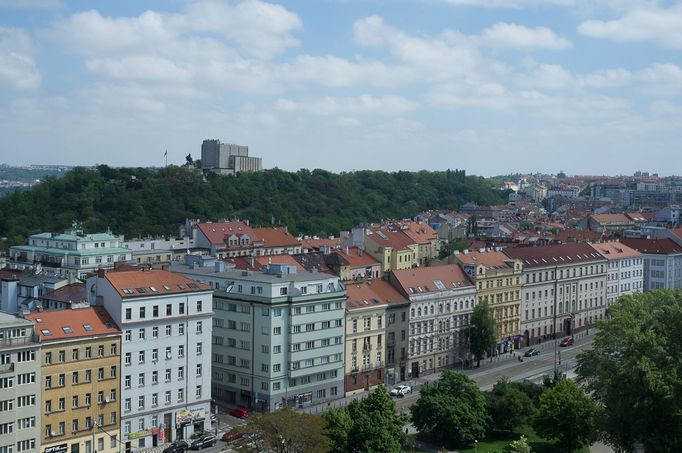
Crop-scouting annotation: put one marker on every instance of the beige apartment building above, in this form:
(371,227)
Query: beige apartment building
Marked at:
(80,380)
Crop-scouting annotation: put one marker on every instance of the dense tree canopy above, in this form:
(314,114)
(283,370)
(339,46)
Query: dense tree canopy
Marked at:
(482,331)
(367,425)
(138,201)
(508,405)
(634,371)
(452,409)
(568,415)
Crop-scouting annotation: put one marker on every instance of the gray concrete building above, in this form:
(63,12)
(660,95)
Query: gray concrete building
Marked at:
(227,159)
(19,386)
(278,335)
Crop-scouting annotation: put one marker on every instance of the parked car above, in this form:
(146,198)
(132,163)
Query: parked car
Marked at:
(229,437)
(204,441)
(179,446)
(568,341)
(531,352)
(401,390)
(240,412)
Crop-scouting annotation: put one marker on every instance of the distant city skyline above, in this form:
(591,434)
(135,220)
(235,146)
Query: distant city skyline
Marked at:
(491,86)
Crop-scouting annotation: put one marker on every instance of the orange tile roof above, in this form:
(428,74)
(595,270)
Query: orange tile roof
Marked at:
(152,282)
(275,237)
(259,262)
(355,259)
(491,260)
(419,232)
(316,244)
(398,240)
(423,279)
(77,323)
(368,294)
(615,250)
(606,219)
(677,232)
(216,232)
(659,246)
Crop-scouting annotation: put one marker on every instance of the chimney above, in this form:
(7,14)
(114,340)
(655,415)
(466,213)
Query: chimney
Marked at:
(101,272)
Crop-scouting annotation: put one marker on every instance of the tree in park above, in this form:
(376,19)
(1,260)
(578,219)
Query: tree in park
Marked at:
(508,405)
(452,409)
(634,371)
(284,431)
(481,331)
(567,415)
(518,446)
(367,425)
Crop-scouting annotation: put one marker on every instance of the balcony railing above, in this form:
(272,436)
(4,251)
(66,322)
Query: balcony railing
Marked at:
(21,341)
(6,368)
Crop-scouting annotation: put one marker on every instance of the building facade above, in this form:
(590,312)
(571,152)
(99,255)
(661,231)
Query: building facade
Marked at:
(20,401)
(278,336)
(80,364)
(442,299)
(166,352)
(227,159)
(662,262)
(498,282)
(564,289)
(625,270)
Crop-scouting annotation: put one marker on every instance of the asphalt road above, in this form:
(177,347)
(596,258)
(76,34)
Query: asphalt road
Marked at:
(532,368)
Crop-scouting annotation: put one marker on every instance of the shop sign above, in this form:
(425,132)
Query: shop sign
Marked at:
(61,448)
(143,433)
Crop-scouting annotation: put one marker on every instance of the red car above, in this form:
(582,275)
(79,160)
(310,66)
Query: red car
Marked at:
(229,437)
(240,412)
(568,341)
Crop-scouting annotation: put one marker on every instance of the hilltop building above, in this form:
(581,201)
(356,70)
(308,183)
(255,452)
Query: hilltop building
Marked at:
(227,159)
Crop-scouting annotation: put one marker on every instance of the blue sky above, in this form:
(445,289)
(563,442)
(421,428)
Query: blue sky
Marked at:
(491,86)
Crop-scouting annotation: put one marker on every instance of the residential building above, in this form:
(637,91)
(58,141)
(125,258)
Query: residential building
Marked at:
(662,262)
(19,386)
(66,297)
(391,247)
(607,223)
(278,335)
(442,299)
(564,289)
(426,238)
(498,282)
(397,328)
(366,333)
(625,270)
(158,250)
(72,252)
(166,351)
(81,366)
(227,159)
(238,238)
(22,292)
(352,263)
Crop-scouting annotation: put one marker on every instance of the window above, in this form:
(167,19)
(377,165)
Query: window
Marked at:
(277,331)
(155,332)
(155,311)
(199,324)
(155,377)
(140,402)
(155,399)
(169,310)
(168,397)
(169,330)
(128,335)
(142,312)
(168,374)
(88,352)
(140,357)
(155,355)
(182,308)
(48,382)
(198,392)
(181,373)
(127,359)
(74,354)
(129,314)
(74,377)
(48,358)
(283,291)
(199,306)
(126,381)
(199,348)
(181,395)
(181,329)
(140,379)
(141,334)
(181,350)
(277,349)
(61,404)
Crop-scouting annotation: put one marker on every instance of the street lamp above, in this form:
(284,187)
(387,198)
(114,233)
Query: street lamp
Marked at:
(475,445)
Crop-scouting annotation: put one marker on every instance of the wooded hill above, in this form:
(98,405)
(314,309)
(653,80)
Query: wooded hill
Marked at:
(138,201)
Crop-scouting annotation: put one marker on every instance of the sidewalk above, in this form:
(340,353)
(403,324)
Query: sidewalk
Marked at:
(486,364)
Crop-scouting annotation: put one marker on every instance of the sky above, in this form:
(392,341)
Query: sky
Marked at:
(489,86)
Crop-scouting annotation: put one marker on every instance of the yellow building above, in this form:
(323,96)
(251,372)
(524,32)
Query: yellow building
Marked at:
(392,248)
(366,323)
(498,282)
(80,368)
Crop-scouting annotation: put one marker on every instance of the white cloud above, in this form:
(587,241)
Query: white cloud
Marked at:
(504,35)
(361,105)
(30,4)
(663,26)
(18,69)
(139,67)
(582,5)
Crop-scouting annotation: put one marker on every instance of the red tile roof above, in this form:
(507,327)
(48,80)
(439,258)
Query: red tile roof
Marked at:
(275,237)
(657,246)
(145,283)
(317,244)
(75,292)
(490,259)
(216,232)
(259,262)
(68,324)
(398,240)
(369,294)
(614,250)
(425,279)
(355,259)
(554,255)
(608,219)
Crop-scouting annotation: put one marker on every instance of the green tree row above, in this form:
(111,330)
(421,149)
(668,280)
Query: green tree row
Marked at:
(138,201)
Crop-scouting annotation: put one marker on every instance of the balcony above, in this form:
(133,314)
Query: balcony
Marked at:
(6,368)
(16,342)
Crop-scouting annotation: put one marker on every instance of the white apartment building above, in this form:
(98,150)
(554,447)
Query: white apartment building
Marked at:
(278,335)
(625,270)
(165,351)
(20,379)
(662,262)
(564,289)
(442,299)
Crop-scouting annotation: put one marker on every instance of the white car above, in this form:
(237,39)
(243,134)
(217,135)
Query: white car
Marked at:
(401,390)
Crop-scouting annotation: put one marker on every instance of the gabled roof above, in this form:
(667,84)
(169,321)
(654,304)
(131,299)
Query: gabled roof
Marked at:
(419,232)
(354,258)
(275,237)
(371,294)
(656,246)
(385,237)
(78,323)
(431,279)
(615,250)
(152,282)
(74,292)
(317,244)
(216,232)
(554,255)
(610,219)
(257,263)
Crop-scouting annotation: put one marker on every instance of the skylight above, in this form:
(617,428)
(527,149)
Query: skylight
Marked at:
(67,329)
(46,332)
(439,284)
(154,290)
(87,327)
(192,285)
(166,287)
(141,290)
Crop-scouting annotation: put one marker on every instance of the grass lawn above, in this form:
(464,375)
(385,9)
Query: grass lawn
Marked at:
(497,440)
